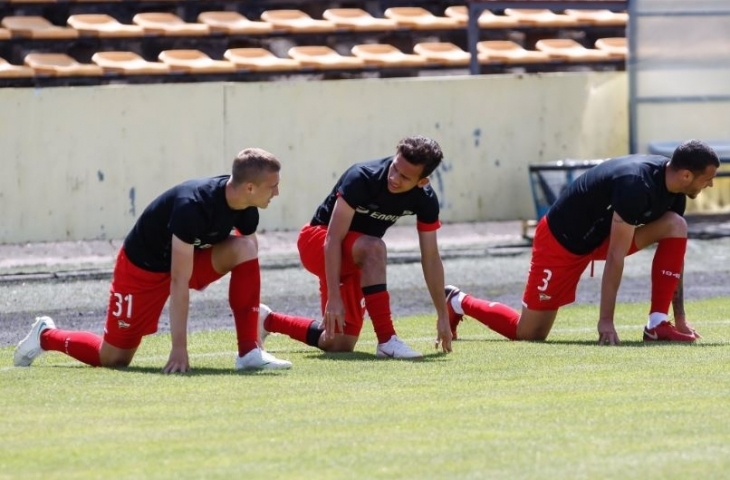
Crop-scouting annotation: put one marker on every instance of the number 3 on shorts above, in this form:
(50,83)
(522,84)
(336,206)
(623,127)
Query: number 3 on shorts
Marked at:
(119,305)
(548,275)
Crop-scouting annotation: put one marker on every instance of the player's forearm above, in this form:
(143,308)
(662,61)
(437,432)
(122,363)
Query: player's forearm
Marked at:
(179,306)
(610,283)
(433,274)
(333,267)
(678,300)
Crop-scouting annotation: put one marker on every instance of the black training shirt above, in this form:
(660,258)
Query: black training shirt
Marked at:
(364,186)
(634,186)
(195,211)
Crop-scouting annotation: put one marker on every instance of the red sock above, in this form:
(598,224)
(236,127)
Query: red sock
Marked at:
(244,296)
(666,269)
(297,328)
(83,346)
(378,307)
(497,316)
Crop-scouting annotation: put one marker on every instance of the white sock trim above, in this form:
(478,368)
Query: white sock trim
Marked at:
(456,302)
(655,319)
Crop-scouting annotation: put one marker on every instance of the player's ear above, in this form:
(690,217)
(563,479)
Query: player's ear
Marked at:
(423,182)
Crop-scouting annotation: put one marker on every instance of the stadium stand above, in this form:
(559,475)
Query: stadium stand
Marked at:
(260,38)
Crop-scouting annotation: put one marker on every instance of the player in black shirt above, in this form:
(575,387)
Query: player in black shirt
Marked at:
(343,247)
(613,210)
(184,239)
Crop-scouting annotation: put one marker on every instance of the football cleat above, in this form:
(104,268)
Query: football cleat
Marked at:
(454,318)
(258,359)
(395,348)
(666,332)
(264,311)
(29,348)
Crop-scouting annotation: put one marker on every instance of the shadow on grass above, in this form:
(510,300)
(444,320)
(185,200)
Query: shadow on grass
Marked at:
(371,357)
(199,371)
(594,343)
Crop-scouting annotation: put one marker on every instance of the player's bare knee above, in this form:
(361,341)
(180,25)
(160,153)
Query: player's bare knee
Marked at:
(676,224)
(371,251)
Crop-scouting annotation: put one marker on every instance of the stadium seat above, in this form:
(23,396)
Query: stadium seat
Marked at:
(541,17)
(507,51)
(33,26)
(102,25)
(384,55)
(31,1)
(615,46)
(194,61)
(233,23)
(8,70)
(128,63)
(420,18)
(259,59)
(4,34)
(601,17)
(169,24)
(569,50)
(357,19)
(60,65)
(323,57)
(296,21)
(444,53)
(487,19)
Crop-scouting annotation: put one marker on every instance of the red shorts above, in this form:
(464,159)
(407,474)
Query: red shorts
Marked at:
(555,272)
(311,252)
(137,297)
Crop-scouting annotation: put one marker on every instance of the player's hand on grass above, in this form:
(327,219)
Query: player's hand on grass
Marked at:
(607,333)
(334,317)
(178,361)
(443,335)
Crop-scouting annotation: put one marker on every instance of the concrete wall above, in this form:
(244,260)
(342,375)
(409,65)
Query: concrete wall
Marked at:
(82,163)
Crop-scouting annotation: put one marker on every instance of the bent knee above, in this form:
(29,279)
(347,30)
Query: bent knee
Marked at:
(676,224)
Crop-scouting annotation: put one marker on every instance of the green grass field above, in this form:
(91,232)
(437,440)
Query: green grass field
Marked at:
(562,409)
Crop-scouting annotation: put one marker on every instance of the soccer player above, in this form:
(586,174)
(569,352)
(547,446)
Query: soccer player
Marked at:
(182,240)
(613,210)
(343,247)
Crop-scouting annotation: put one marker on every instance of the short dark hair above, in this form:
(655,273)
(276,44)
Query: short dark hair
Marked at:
(695,156)
(251,164)
(420,150)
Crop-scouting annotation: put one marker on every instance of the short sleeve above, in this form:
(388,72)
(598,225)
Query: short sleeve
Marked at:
(631,198)
(186,216)
(247,221)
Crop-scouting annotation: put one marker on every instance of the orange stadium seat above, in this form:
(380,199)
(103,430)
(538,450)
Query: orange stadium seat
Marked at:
(508,51)
(615,46)
(420,18)
(541,17)
(444,53)
(169,24)
(194,61)
(323,57)
(33,26)
(233,23)
(259,59)
(357,19)
(128,63)
(601,17)
(384,55)
(296,21)
(569,50)
(102,25)
(487,19)
(4,34)
(8,70)
(60,65)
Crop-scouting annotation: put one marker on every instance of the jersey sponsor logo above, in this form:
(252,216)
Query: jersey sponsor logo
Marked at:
(407,212)
(544,297)
(123,324)
(384,217)
(362,210)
